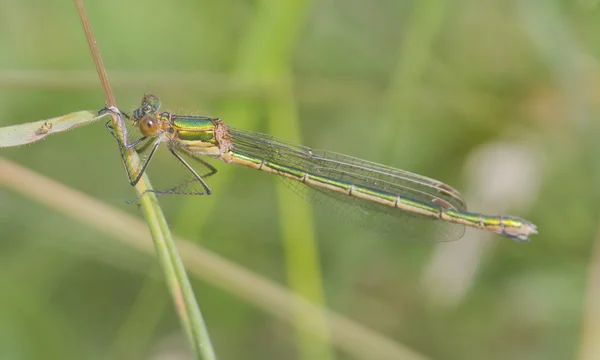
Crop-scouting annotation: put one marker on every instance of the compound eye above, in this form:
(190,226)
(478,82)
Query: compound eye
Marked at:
(151,103)
(148,126)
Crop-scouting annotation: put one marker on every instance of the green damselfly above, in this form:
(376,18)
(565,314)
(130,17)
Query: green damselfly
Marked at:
(382,197)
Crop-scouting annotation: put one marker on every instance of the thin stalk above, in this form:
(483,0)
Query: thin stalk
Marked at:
(170,261)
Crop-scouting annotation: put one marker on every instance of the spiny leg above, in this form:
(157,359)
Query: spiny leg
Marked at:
(175,190)
(200,178)
(141,172)
(212,170)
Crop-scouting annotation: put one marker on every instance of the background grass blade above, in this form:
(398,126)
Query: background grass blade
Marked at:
(347,335)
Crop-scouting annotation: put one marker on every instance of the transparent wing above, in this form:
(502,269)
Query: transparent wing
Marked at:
(345,168)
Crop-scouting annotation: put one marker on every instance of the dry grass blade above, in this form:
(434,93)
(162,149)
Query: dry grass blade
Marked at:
(21,134)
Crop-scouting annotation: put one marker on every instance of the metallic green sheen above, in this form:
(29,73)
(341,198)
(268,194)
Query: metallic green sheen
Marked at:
(193,123)
(204,136)
(194,128)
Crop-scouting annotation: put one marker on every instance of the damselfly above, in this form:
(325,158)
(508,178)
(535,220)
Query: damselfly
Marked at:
(382,197)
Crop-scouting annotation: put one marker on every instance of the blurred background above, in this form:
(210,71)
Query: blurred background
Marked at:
(499,99)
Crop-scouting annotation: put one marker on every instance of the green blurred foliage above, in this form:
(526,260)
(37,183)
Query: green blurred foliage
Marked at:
(491,71)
